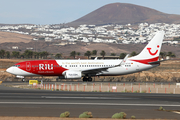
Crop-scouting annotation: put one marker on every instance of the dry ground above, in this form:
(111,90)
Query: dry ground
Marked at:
(14,37)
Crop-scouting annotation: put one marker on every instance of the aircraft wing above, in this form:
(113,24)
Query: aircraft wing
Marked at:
(98,71)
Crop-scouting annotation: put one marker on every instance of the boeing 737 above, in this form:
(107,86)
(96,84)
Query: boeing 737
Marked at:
(76,69)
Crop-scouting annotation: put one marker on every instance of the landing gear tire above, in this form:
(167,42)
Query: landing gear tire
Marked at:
(90,79)
(23,80)
(85,79)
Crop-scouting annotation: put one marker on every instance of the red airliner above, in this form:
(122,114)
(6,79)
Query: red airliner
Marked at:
(76,69)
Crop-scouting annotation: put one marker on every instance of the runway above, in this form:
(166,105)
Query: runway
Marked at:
(28,102)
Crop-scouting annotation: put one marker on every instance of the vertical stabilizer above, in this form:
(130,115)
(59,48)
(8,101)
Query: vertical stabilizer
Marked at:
(152,50)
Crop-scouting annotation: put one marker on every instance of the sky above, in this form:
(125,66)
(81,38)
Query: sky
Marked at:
(63,11)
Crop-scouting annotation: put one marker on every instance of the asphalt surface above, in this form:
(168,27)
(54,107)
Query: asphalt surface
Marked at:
(28,102)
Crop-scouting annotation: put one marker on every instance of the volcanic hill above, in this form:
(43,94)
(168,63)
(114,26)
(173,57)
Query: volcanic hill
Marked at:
(124,13)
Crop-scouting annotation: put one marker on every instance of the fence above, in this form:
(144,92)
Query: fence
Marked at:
(112,87)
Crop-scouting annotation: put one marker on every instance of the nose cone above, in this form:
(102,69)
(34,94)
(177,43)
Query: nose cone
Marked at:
(10,70)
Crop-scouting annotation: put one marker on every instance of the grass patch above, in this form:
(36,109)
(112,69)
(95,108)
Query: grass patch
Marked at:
(86,115)
(65,114)
(121,115)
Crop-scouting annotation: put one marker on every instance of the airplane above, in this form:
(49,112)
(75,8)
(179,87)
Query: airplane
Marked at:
(86,69)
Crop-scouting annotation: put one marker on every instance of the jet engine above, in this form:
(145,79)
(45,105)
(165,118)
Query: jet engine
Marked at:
(69,74)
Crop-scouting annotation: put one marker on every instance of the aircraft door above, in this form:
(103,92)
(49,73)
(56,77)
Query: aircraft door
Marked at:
(28,66)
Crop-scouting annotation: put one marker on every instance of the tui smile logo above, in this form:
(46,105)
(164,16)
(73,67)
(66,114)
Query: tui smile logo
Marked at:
(149,50)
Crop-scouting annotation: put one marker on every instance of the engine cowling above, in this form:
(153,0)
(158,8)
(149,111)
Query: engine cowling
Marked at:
(69,74)
(18,76)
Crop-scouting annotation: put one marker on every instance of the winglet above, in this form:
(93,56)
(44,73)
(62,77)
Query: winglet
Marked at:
(124,60)
(95,58)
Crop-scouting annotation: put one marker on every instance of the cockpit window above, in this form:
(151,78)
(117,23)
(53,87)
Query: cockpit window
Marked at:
(16,65)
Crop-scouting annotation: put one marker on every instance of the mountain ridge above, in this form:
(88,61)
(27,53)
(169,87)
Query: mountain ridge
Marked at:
(124,13)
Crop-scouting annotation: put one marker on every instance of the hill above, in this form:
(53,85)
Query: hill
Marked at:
(14,37)
(83,47)
(123,13)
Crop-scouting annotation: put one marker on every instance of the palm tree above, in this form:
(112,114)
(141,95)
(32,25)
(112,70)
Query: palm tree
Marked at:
(22,56)
(2,53)
(38,55)
(133,53)
(173,55)
(94,52)
(45,54)
(163,55)
(122,55)
(28,54)
(58,56)
(35,54)
(15,54)
(170,54)
(7,54)
(41,54)
(88,53)
(113,54)
(103,53)
(78,53)
(73,54)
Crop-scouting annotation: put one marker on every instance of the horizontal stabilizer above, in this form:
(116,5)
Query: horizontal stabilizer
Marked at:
(156,62)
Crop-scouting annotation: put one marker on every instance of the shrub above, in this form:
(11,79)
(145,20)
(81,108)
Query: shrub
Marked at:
(65,114)
(86,115)
(135,92)
(120,115)
(133,117)
(161,108)
(116,116)
(143,91)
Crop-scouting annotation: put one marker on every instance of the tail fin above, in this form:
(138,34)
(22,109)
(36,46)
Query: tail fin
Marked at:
(152,50)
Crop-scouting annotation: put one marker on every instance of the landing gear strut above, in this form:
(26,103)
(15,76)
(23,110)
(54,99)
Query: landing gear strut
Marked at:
(85,78)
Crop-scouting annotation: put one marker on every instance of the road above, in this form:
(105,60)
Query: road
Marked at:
(28,102)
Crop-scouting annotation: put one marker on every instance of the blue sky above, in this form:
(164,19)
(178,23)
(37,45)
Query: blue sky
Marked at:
(63,11)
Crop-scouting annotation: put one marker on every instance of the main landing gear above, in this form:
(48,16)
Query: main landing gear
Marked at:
(23,79)
(85,78)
